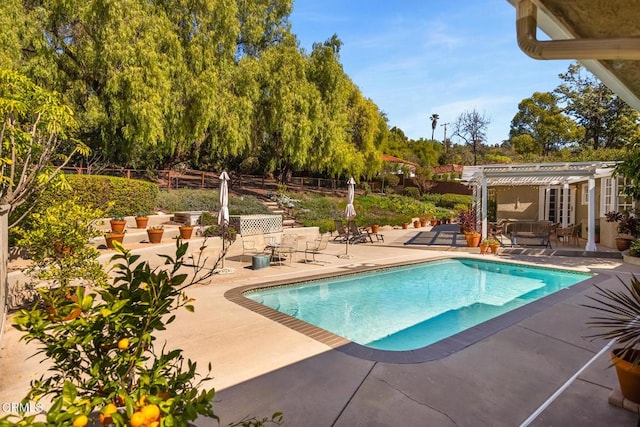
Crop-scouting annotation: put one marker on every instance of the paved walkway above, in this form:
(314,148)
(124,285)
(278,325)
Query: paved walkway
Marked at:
(261,366)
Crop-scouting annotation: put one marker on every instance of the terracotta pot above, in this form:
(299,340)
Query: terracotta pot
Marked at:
(375,228)
(494,249)
(483,248)
(186,231)
(405,225)
(628,374)
(473,239)
(155,235)
(142,221)
(117,226)
(416,224)
(110,237)
(623,244)
(423,223)
(434,222)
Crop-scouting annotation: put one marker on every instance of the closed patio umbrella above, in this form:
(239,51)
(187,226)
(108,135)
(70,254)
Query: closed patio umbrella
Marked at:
(350,211)
(223,214)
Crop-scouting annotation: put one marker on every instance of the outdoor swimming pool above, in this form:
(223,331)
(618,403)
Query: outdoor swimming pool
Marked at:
(410,307)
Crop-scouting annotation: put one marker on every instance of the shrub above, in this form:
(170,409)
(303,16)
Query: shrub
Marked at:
(412,192)
(208,200)
(447,200)
(108,356)
(128,196)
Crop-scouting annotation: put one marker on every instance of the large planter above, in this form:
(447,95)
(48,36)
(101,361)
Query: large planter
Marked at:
(623,244)
(142,221)
(628,374)
(117,225)
(473,239)
(185,232)
(155,235)
(110,237)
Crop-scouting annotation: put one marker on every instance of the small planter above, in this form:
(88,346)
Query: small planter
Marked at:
(375,228)
(423,222)
(628,375)
(118,225)
(405,225)
(155,235)
(185,232)
(483,248)
(142,221)
(494,249)
(416,224)
(110,237)
(623,244)
(434,222)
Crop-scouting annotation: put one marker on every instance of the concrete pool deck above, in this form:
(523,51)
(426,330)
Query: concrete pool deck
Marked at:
(261,366)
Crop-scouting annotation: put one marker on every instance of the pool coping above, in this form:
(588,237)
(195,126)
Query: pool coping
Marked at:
(435,351)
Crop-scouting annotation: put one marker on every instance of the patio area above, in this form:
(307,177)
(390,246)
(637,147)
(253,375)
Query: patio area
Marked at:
(260,366)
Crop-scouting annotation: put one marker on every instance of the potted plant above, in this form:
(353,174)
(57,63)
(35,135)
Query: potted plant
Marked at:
(185,231)
(155,233)
(375,228)
(111,237)
(467,221)
(423,221)
(618,319)
(142,220)
(494,244)
(416,223)
(484,245)
(405,225)
(118,224)
(628,227)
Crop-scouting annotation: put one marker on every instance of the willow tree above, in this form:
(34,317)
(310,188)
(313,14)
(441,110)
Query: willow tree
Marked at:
(286,112)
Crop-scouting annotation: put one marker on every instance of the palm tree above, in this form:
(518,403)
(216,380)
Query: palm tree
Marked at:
(434,122)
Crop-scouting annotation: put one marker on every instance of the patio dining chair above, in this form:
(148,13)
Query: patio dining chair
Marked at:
(316,247)
(287,248)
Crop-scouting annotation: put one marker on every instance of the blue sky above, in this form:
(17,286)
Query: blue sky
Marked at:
(414,58)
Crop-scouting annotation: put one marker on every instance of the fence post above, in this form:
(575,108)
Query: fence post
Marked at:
(128,174)
(201,180)
(169,180)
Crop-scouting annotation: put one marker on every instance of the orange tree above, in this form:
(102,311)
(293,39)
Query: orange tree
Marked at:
(106,363)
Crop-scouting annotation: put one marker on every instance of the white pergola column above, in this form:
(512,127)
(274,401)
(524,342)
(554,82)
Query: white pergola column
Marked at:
(484,207)
(565,205)
(591,215)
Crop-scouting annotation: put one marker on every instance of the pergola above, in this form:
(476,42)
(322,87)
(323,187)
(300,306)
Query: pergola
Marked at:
(480,178)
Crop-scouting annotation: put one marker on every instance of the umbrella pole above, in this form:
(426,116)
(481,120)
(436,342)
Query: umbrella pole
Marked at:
(224,227)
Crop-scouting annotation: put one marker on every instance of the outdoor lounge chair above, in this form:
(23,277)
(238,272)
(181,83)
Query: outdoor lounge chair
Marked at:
(253,245)
(316,247)
(357,235)
(341,229)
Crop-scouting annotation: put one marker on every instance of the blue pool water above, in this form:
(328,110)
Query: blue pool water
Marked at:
(406,308)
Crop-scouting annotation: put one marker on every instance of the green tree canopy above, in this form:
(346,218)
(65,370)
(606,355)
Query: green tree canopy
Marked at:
(540,127)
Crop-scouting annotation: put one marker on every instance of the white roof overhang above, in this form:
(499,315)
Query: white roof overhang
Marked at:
(537,174)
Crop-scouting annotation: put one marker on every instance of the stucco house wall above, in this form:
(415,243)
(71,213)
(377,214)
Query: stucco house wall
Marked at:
(519,203)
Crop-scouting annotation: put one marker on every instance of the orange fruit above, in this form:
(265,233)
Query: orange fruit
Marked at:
(150,412)
(137,419)
(154,424)
(105,414)
(123,344)
(80,421)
